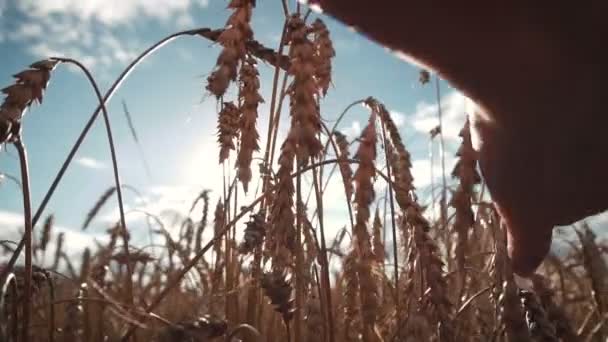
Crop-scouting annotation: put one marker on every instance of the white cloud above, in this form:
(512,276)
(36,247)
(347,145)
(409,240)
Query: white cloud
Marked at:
(91,163)
(398,118)
(168,203)
(67,37)
(30,30)
(75,242)
(119,51)
(184,21)
(177,198)
(158,199)
(109,12)
(454,107)
(353,131)
(421,171)
(10,219)
(87,30)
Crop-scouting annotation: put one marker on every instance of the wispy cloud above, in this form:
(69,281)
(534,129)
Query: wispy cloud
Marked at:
(454,107)
(353,131)
(184,21)
(421,171)
(109,12)
(398,118)
(96,47)
(91,163)
(11,224)
(176,198)
(92,31)
(10,219)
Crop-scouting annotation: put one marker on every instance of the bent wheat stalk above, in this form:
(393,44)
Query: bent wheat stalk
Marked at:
(89,124)
(106,118)
(27,237)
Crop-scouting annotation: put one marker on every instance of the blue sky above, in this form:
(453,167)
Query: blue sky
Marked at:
(175,118)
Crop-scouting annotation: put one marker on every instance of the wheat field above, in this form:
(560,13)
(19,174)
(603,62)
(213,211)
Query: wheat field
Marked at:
(262,270)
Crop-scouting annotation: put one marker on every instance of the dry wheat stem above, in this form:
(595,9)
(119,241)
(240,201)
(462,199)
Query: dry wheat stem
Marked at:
(324,260)
(277,118)
(273,101)
(470,300)
(443,205)
(333,131)
(300,282)
(330,133)
(346,189)
(123,222)
(27,214)
(343,114)
(393,213)
(285,8)
(346,181)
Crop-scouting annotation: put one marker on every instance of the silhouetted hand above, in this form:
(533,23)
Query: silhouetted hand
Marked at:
(537,73)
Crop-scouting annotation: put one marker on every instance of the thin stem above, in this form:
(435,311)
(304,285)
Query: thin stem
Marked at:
(273,102)
(325,263)
(277,119)
(299,258)
(442,152)
(392,205)
(330,134)
(285,8)
(384,228)
(234,267)
(308,13)
(466,304)
(432,159)
(227,254)
(335,148)
(121,209)
(86,129)
(27,237)
(333,128)
(444,189)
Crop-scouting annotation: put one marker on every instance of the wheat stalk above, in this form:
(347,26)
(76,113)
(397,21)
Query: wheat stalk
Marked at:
(363,197)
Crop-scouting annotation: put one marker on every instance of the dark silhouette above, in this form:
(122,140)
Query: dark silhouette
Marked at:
(537,71)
